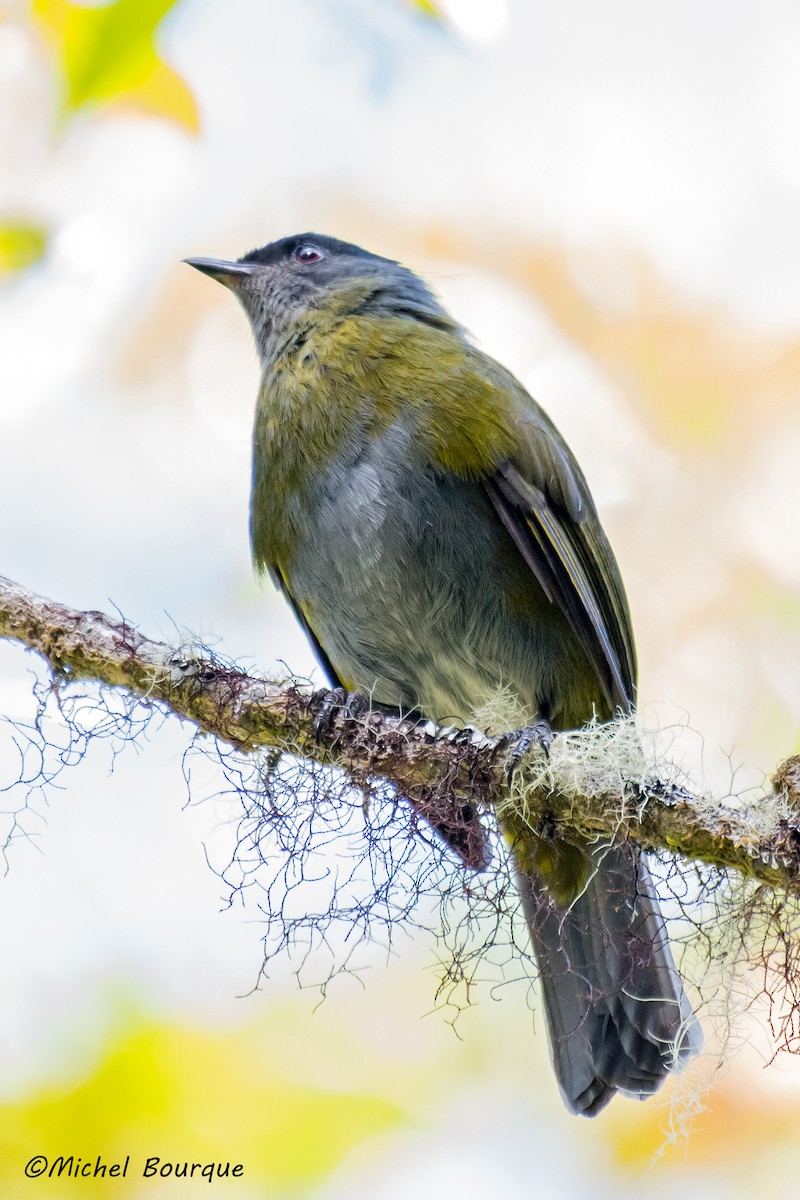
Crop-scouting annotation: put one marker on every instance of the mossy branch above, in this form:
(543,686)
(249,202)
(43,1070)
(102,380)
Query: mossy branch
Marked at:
(449,781)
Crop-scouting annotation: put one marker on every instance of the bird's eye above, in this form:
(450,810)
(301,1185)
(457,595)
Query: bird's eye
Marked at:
(308,253)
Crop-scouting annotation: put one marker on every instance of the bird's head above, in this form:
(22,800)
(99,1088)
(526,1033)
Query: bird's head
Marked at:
(297,281)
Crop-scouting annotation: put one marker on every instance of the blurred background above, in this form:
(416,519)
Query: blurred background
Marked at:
(608,197)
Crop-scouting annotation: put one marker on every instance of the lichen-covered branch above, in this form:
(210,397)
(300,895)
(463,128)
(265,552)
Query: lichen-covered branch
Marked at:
(449,781)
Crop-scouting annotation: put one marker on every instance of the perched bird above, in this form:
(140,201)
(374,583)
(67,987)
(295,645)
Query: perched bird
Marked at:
(438,542)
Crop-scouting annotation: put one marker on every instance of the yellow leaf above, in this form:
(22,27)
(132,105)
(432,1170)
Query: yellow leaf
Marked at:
(108,56)
(22,243)
(428,8)
(162,94)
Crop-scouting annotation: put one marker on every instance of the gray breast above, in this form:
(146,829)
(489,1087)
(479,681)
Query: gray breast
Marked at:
(408,577)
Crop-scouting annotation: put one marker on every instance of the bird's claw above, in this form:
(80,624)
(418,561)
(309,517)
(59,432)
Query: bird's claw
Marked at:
(521,740)
(336,702)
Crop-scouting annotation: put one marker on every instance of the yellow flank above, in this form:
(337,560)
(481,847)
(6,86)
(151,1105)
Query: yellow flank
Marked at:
(563,866)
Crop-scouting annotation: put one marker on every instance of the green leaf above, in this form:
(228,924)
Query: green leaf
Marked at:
(108,56)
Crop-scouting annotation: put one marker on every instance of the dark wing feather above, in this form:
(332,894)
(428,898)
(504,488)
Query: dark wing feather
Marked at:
(544,502)
(322,658)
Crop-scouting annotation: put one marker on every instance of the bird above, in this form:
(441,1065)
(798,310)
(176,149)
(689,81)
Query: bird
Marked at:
(438,543)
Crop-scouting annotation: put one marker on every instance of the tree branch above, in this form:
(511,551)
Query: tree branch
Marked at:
(450,782)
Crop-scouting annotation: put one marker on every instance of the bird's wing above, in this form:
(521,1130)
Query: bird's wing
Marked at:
(543,499)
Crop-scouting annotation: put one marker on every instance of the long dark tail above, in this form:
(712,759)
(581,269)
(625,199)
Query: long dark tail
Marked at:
(617,1015)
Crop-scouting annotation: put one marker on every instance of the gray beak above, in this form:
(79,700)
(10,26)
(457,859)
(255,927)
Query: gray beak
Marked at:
(229,273)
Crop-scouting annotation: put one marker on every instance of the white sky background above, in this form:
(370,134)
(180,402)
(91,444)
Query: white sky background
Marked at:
(671,129)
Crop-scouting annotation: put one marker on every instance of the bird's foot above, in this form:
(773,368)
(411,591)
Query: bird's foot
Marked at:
(462,735)
(335,703)
(521,740)
(456,735)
